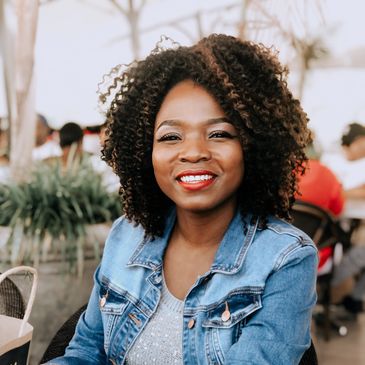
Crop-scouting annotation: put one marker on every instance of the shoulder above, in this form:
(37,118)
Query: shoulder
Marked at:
(122,240)
(124,231)
(281,242)
(283,231)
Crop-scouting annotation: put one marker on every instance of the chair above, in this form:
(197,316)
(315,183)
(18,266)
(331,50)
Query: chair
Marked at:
(325,231)
(11,300)
(310,356)
(62,338)
(64,335)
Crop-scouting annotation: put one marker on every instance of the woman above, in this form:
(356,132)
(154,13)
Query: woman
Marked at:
(206,141)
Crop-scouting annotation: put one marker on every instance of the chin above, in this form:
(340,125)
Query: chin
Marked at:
(195,207)
(204,207)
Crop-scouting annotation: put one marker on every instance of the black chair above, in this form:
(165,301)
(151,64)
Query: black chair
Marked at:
(11,300)
(310,356)
(64,335)
(325,231)
(62,338)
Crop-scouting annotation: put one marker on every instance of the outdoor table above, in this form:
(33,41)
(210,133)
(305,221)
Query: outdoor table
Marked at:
(354,209)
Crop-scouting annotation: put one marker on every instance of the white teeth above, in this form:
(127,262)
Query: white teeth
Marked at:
(195,178)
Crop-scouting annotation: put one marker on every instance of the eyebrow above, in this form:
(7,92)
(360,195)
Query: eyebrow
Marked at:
(211,121)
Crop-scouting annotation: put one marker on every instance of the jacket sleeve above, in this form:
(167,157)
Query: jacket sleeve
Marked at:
(279,333)
(87,345)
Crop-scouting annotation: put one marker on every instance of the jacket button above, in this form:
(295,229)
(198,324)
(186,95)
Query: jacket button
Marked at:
(191,323)
(226,315)
(102,301)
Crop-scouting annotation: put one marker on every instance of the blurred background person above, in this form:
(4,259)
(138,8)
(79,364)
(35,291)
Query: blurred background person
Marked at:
(320,186)
(71,140)
(349,164)
(70,144)
(353,144)
(91,142)
(46,145)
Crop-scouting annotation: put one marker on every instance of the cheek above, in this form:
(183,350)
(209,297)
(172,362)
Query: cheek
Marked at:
(163,156)
(358,149)
(158,159)
(239,169)
(236,162)
(351,153)
(160,167)
(237,172)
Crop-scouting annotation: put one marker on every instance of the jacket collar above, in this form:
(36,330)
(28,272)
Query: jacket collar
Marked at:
(229,256)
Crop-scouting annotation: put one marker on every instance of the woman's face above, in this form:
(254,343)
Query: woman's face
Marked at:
(197,155)
(356,150)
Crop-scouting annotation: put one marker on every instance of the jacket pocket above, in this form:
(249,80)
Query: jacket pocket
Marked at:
(112,305)
(224,322)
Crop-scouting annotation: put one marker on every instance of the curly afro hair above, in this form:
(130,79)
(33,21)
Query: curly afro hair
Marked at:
(249,83)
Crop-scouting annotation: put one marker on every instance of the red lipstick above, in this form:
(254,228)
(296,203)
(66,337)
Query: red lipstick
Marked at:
(194,180)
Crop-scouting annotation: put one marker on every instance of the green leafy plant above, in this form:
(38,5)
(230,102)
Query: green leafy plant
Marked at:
(49,213)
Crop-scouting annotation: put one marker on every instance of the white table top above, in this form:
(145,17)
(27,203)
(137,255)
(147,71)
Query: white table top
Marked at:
(354,208)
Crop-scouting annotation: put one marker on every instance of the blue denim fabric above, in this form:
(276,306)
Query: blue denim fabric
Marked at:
(265,275)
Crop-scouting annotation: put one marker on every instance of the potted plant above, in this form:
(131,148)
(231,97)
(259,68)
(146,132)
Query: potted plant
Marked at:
(49,214)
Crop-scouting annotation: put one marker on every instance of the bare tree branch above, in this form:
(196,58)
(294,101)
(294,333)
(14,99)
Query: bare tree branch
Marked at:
(119,7)
(143,3)
(183,30)
(45,2)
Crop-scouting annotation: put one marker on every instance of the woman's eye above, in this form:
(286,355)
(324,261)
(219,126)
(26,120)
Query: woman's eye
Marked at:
(221,134)
(169,137)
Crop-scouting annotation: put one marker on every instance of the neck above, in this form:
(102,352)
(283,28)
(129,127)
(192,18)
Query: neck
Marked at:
(203,229)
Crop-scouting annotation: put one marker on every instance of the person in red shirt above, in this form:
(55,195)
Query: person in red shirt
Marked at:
(320,186)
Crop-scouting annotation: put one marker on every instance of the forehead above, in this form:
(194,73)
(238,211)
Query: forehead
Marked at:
(189,101)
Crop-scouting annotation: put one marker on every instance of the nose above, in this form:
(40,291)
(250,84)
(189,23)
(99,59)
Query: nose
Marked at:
(194,151)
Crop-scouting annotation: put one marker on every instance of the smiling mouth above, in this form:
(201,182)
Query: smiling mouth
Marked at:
(193,179)
(196,181)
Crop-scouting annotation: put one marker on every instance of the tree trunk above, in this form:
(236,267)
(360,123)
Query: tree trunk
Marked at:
(22,88)
(7,36)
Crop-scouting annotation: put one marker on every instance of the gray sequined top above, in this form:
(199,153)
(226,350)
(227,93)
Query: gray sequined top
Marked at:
(161,340)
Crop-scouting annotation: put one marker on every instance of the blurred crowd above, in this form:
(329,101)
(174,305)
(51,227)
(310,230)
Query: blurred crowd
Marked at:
(66,146)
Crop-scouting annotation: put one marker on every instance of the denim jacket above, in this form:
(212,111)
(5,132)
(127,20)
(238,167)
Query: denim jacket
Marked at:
(266,276)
